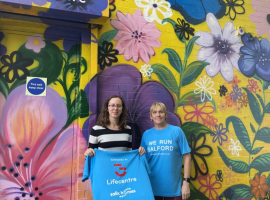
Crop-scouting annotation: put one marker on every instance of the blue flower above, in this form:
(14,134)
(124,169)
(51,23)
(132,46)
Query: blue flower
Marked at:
(255,58)
(83,9)
(220,134)
(236,94)
(195,12)
(25,4)
(3,49)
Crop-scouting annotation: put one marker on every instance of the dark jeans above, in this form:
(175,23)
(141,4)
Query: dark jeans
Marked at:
(168,198)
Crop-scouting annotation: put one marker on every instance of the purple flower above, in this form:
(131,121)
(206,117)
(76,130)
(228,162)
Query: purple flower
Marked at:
(236,94)
(26,4)
(220,134)
(3,49)
(126,81)
(255,58)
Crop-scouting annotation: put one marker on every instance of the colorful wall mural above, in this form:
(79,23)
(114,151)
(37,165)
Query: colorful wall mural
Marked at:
(190,55)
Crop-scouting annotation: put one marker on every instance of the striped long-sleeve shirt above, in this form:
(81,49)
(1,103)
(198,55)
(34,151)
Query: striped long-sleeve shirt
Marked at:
(110,140)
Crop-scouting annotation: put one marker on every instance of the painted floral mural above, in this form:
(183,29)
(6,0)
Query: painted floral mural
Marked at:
(190,55)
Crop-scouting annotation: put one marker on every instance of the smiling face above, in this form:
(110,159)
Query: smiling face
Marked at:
(158,116)
(115,108)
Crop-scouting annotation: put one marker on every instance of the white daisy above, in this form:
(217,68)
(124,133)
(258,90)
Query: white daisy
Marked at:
(205,88)
(235,147)
(221,48)
(146,70)
(153,9)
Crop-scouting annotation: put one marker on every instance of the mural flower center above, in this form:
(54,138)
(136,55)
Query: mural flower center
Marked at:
(264,59)
(137,35)
(223,47)
(155,5)
(21,171)
(36,42)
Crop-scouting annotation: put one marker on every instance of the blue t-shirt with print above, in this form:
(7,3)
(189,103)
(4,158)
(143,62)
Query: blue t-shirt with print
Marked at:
(118,175)
(164,151)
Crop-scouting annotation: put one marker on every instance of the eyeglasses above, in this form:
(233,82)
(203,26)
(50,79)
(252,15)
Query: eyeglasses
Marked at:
(115,106)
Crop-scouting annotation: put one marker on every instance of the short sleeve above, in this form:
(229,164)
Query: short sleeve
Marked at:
(182,142)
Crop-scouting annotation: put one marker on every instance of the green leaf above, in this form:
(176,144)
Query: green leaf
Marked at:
(257,78)
(190,46)
(266,85)
(254,107)
(174,59)
(261,163)
(107,36)
(252,128)
(184,99)
(166,77)
(267,108)
(65,55)
(196,194)
(239,190)
(261,100)
(50,62)
(75,58)
(84,65)
(256,151)
(263,135)
(79,107)
(4,89)
(75,49)
(192,72)
(240,131)
(195,128)
(173,23)
(237,165)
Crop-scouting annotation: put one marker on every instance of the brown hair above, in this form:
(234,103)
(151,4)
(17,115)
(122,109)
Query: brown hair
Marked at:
(161,105)
(103,118)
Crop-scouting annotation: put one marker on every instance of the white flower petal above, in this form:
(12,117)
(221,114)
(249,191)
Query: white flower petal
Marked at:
(236,47)
(142,3)
(205,40)
(226,69)
(214,67)
(214,25)
(234,60)
(227,30)
(205,52)
(234,38)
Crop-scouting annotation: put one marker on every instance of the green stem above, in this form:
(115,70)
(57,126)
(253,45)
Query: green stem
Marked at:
(185,59)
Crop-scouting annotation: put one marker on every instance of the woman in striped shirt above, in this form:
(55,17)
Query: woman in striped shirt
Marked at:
(111,133)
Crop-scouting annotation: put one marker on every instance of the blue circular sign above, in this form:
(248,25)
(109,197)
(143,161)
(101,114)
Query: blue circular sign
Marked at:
(36,86)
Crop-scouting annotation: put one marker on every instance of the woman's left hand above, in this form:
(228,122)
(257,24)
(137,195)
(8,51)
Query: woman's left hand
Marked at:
(141,151)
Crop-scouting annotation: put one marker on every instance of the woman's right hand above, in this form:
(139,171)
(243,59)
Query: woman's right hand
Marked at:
(91,152)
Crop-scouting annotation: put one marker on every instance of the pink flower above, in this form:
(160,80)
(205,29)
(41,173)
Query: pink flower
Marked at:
(35,43)
(252,85)
(260,16)
(136,37)
(200,115)
(209,185)
(36,151)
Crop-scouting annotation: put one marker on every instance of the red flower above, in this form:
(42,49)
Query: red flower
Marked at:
(252,86)
(194,113)
(209,185)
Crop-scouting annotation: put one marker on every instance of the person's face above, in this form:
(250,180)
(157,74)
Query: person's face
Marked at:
(158,116)
(115,108)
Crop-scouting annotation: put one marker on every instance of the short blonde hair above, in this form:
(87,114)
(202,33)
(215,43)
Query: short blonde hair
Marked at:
(156,105)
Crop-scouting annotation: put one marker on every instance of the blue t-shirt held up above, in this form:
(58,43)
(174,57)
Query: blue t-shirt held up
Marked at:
(164,150)
(118,175)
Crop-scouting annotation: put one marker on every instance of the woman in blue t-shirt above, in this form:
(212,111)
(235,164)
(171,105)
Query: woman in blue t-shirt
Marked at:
(166,145)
